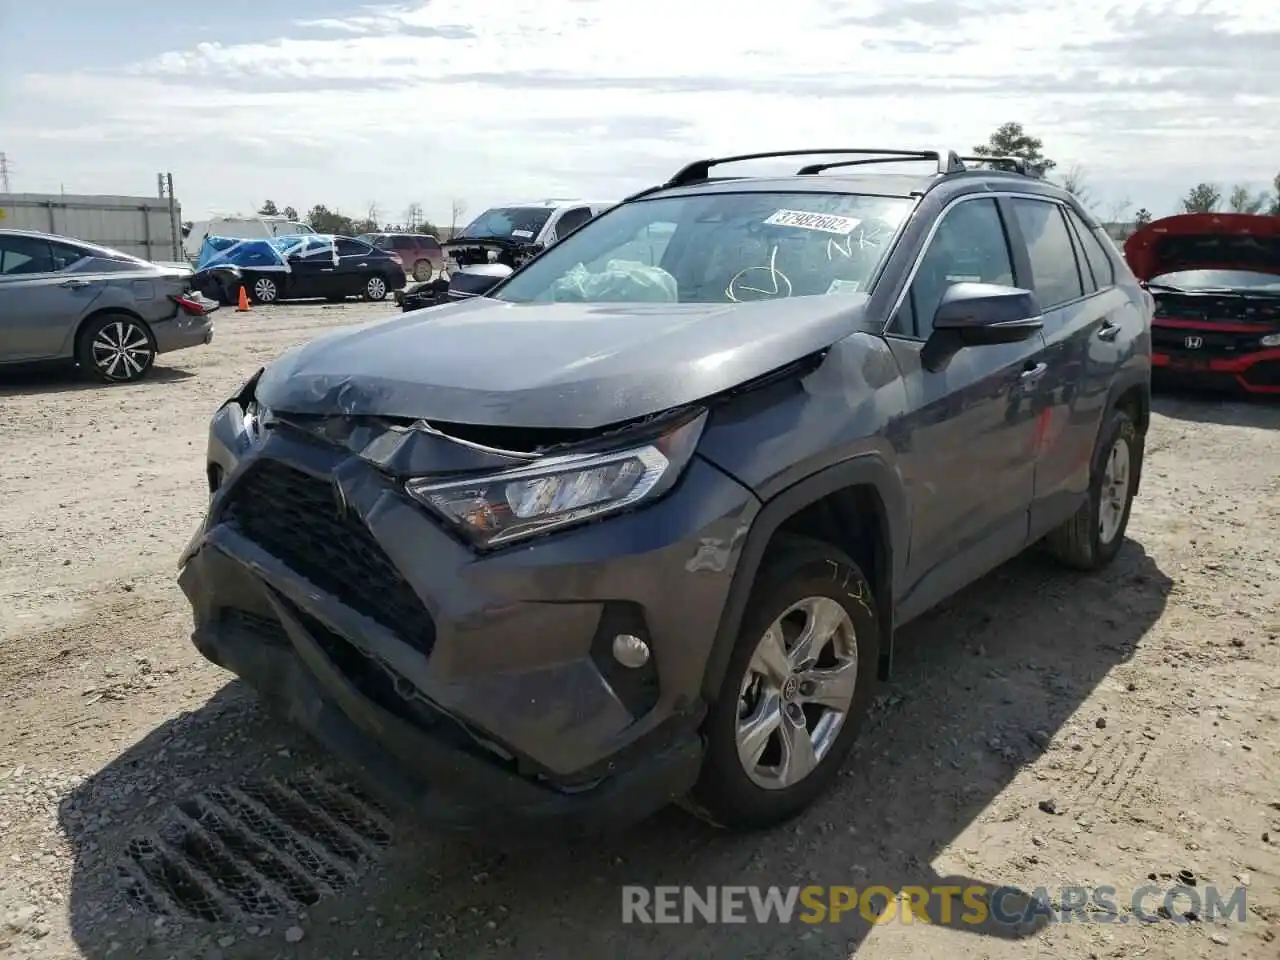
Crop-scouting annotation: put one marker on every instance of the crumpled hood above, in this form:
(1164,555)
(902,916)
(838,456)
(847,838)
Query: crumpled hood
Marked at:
(556,365)
(1205,241)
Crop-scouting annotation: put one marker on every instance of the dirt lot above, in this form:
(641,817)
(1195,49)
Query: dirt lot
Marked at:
(1142,707)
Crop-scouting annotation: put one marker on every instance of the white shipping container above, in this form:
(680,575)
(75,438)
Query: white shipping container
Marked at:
(142,226)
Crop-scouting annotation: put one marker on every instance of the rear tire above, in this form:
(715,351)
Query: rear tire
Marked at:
(375,288)
(751,778)
(1091,539)
(422,270)
(115,348)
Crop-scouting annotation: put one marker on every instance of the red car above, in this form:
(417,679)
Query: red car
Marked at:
(1215,278)
(419,253)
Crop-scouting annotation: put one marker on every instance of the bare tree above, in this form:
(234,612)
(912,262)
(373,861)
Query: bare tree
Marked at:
(413,216)
(1117,211)
(1244,200)
(1075,182)
(457,210)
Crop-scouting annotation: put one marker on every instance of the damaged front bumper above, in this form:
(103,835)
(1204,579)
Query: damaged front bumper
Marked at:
(477,691)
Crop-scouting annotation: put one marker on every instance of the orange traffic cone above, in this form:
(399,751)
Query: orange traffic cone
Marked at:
(243,306)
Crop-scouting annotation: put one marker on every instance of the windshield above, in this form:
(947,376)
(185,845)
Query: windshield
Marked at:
(508,223)
(1242,280)
(717,248)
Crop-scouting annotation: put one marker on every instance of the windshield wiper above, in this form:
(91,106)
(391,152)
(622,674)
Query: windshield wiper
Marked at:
(1167,287)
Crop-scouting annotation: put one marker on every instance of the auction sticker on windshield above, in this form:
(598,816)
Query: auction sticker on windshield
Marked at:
(824,222)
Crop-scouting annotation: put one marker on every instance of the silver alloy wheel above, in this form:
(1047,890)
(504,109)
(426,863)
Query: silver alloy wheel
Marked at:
(122,350)
(264,290)
(376,287)
(797,693)
(1115,491)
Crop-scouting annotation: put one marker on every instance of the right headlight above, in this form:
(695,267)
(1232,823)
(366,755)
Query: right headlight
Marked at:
(1271,340)
(556,492)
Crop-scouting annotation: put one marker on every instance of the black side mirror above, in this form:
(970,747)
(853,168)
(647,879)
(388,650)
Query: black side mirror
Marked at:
(975,314)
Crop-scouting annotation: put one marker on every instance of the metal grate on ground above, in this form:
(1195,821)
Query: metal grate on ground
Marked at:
(261,849)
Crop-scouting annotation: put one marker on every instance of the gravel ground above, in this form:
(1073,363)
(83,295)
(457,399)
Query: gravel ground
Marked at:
(1044,730)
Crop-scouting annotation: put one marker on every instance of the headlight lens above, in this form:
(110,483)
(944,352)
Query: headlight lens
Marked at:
(256,417)
(559,491)
(1271,340)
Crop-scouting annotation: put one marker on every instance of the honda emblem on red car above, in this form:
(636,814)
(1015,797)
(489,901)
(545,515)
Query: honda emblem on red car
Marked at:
(1193,343)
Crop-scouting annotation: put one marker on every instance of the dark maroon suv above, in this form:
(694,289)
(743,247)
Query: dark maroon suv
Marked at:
(419,253)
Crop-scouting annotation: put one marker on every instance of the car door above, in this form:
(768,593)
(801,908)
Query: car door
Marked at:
(40,304)
(969,460)
(1068,405)
(312,271)
(355,263)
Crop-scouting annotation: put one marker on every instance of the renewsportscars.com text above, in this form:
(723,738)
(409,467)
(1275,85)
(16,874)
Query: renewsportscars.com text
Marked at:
(941,904)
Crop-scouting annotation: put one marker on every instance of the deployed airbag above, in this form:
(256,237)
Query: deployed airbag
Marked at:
(621,281)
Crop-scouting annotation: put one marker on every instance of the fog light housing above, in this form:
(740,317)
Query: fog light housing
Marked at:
(630,651)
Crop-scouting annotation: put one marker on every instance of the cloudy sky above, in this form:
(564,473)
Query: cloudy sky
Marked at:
(346,104)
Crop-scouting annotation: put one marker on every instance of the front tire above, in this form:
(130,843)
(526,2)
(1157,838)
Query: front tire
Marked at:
(795,691)
(375,288)
(1091,539)
(264,290)
(116,348)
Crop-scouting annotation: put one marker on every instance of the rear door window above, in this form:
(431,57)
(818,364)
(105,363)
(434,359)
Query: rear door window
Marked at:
(352,248)
(1103,269)
(66,257)
(1055,273)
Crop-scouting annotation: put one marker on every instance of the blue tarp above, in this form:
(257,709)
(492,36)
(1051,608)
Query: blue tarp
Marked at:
(271,253)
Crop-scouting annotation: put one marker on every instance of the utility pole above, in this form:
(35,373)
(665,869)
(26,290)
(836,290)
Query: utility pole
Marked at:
(4,172)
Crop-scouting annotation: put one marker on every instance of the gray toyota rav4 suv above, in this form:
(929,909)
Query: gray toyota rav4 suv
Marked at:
(639,526)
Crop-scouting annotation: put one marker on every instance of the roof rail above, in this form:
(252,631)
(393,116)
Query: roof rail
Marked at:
(1011,164)
(946,161)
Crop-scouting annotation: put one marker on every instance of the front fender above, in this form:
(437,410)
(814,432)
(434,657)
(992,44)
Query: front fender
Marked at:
(867,470)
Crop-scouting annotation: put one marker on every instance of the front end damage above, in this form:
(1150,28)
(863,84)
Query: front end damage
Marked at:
(472,680)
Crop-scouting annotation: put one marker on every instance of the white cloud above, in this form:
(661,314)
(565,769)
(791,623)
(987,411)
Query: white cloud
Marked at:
(429,101)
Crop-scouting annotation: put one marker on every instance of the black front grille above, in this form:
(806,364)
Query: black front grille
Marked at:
(294,517)
(1209,342)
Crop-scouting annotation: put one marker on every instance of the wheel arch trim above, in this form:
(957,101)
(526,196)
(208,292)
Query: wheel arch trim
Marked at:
(866,470)
(94,315)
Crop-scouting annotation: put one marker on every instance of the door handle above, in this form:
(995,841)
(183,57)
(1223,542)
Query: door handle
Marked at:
(1032,375)
(1109,331)
(74,284)
(326,269)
